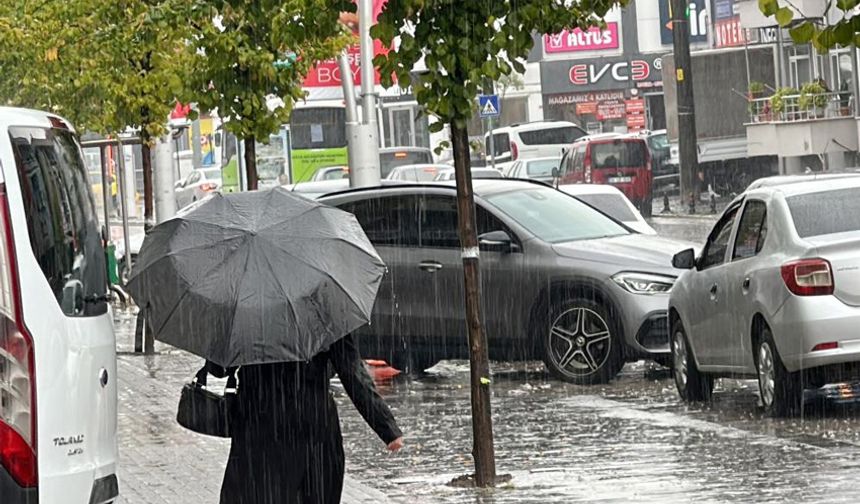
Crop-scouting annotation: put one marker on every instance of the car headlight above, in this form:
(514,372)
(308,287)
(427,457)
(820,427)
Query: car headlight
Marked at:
(644,283)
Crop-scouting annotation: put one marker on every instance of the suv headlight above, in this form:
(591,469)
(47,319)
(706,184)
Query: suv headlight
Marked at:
(644,283)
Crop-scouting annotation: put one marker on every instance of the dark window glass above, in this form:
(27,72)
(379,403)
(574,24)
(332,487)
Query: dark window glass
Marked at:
(389,221)
(501,144)
(715,249)
(825,213)
(552,136)
(392,159)
(61,219)
(318,128)
(612,205)
(751,230)
(578,159)
(438,222)
(618,154)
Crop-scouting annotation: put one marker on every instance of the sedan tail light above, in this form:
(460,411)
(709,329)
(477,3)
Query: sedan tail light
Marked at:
(808,277)
(17,370)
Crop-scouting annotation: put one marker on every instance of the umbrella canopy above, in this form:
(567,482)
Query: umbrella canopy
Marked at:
(256,277)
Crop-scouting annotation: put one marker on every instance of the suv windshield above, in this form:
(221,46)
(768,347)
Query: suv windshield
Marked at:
(842,208)
(554,216)
(627,153)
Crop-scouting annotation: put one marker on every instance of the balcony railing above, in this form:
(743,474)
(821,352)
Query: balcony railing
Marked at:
(802,107)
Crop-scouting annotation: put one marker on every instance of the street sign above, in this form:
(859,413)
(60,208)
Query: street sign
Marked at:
(488,105)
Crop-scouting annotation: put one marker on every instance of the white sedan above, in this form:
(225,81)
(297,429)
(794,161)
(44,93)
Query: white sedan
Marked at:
(612,202)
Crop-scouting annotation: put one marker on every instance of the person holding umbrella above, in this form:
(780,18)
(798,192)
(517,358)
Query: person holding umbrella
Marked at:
(272,284)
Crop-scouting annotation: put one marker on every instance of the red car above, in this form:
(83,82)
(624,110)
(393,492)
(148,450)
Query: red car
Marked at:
(622,161)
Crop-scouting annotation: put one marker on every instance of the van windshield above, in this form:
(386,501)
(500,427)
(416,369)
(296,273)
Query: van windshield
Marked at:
(618,154)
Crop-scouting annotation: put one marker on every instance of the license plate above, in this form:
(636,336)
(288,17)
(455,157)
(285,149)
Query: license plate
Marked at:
(620,180)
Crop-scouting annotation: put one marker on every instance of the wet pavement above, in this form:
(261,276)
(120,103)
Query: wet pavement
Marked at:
(629,441)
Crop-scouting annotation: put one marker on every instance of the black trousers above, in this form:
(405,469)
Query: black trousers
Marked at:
(308,472)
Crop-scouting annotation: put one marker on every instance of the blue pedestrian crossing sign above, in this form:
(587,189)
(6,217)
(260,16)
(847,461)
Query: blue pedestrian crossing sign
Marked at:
(488,105)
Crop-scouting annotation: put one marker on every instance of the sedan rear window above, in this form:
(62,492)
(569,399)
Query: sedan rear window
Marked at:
(618,154)
(542,168)
(552,136)
(612,205)
(830,212)
(554,216)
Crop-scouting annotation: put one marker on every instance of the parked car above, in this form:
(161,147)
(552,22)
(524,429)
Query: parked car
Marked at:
(392,157)
(416,172)
(612,202)
(58,395)
(315,190)
(665,172)
(330,173)
(778,180)
(477,173)
(622,161)
(775,294)
(561,281)
(197,185)
(536,169)
(531,140)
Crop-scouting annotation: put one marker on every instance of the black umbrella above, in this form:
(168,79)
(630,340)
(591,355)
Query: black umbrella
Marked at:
(256,277)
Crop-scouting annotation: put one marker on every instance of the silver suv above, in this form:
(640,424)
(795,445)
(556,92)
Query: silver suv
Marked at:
(561,281)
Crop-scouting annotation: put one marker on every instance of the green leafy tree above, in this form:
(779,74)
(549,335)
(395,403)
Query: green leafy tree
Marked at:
(251,61)
(845,32)
(462,44)
(107,66)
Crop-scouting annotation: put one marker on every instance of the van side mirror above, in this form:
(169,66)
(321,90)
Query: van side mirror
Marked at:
(555,173)
(685,259)
(496,241)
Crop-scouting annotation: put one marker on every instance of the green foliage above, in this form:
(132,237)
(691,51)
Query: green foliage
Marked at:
(844,32)
(812,94)
(104,65)
(463,43)
(756,87)
(234,69)
(777,100)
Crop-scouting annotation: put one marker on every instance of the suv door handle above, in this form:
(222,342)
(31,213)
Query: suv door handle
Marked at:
(713,291)
(430,266)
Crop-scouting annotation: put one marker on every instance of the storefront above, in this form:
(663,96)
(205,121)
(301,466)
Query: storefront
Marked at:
(608,94)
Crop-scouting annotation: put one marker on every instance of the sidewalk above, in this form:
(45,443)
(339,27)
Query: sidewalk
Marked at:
(161,462)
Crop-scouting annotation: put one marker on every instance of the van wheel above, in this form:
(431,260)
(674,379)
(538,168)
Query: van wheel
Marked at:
(781,391)
(582,343)
(692,385)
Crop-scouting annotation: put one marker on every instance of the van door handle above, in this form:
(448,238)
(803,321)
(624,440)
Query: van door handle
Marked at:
(713,291)
(430,266)
(746,285)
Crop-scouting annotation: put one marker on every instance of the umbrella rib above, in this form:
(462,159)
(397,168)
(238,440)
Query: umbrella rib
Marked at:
(174,253)
(292,217)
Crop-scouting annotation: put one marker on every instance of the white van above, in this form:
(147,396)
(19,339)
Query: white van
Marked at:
(58,395)
(531,140)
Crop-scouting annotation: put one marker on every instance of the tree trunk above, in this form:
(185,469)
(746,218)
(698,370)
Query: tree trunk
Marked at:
(251,163)
(482,422)
(146,162)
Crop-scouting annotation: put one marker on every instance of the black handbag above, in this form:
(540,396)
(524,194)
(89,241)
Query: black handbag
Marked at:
(204,411)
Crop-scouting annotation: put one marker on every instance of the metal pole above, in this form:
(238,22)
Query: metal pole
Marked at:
(352,124)
(196,147)
(687,137)
(105,189)
(855,82)
(165,195)
(124,205)
(367,170)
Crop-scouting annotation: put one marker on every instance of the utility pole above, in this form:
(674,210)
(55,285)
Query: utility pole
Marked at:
(363,138)
(687,150)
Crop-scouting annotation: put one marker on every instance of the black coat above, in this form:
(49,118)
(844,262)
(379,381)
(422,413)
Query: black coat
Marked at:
(287,445)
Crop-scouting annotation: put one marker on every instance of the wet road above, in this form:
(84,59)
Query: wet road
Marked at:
(629,441)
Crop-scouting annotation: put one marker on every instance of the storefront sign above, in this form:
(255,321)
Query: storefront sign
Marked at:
(729,33)
(635,114)
(586,108)
(593,39)
(609,110)
(698,21)
(599,73)
(584,98)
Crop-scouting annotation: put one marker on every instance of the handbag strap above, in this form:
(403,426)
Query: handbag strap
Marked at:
(201,376)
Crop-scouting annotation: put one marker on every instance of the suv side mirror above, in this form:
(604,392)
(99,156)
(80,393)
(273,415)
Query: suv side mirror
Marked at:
(497,241)
(685,259)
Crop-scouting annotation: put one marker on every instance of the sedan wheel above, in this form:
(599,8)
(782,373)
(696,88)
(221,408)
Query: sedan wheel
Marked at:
(781,391)
(691,384)
(581,346)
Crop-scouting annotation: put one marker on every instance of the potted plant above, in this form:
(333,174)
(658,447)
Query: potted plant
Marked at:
(777,100)
(756,89)
(813,96)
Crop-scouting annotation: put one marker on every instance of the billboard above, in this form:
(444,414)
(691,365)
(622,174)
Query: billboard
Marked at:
(698,16)
(576,40)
